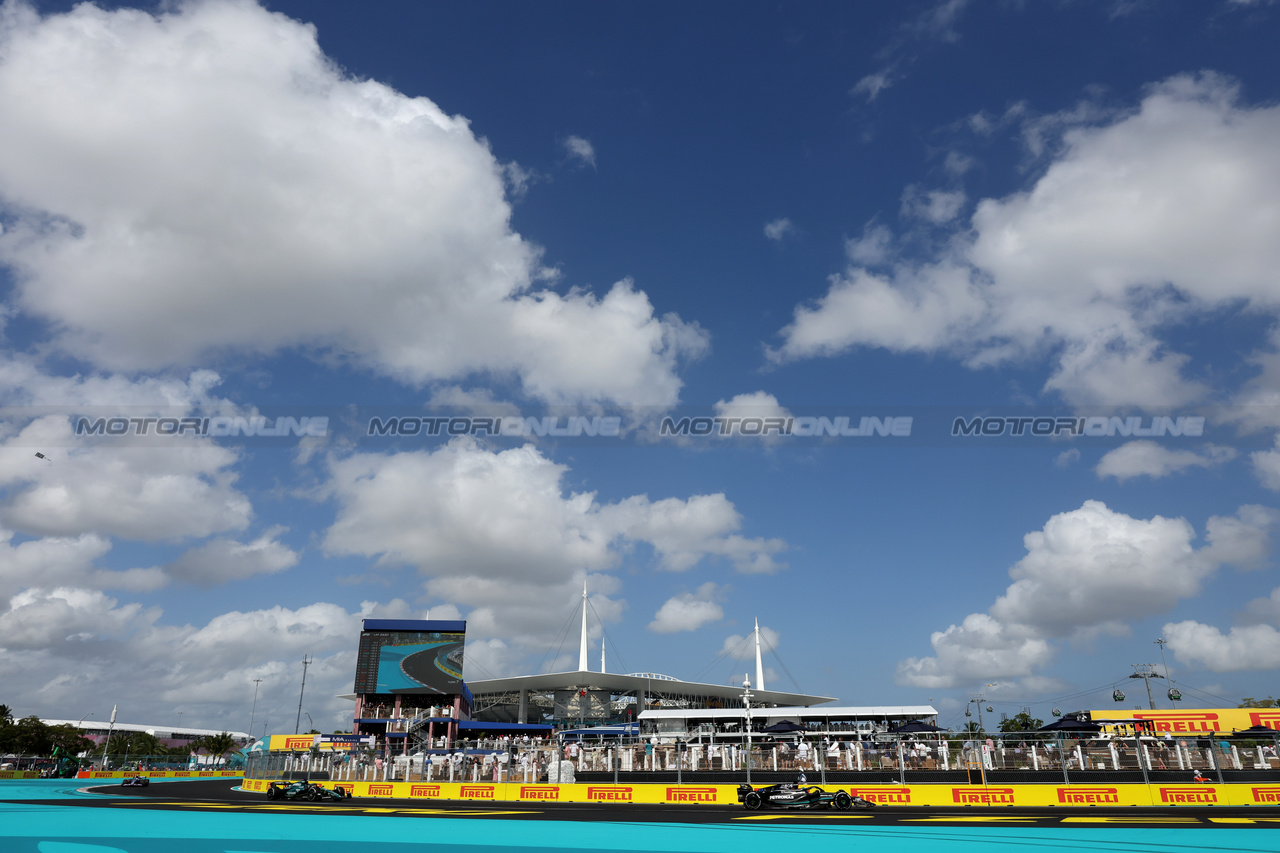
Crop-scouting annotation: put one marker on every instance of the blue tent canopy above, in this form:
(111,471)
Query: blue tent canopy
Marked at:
(476,725)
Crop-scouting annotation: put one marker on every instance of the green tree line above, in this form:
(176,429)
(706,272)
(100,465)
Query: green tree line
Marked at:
(30,736)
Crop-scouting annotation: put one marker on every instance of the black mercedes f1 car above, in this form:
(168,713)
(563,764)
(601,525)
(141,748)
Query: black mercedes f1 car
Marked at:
(789,796)
(305,791)
(135,782)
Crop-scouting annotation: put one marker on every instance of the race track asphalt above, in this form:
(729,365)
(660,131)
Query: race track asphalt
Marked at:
(222,796)
(204,816)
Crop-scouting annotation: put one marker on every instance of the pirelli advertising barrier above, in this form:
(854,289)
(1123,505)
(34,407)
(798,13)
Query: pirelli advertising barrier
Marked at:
(885,795)
(159,774)
(1190,722)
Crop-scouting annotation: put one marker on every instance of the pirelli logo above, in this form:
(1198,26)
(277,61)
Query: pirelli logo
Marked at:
(207,773)
(539,792)
(1088,796)
(298,742)
(1270,719)
(1268,794)
(1189,796)
(985,797)
(886,796)
(380,790)
(609,793)
(477,792)
(424,791)
(691,795)
(183,773)
(1176,721)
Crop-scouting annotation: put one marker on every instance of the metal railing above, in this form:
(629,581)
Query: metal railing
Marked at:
(49,766)
(504,760)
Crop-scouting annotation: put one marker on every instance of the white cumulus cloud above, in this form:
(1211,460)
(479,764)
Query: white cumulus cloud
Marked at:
(1145,458)
(224,185)
(688,611)
(495,532)
(581,150)
(1137,222)
(778,229)
(1246,647)
(221,559)
(1088,572)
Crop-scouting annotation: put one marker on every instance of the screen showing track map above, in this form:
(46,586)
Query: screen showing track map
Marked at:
(410,662)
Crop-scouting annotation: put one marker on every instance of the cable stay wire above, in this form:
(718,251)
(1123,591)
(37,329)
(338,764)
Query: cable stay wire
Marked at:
(483,672)
(706,671)
(563,634)
(616,648)
(778,658)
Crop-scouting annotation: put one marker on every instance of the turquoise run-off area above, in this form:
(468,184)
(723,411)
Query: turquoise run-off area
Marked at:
(28,827)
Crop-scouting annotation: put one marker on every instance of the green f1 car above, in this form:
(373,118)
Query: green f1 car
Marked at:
(310,791)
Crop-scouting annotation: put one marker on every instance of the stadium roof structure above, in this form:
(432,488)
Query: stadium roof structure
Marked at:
(795,714)
(689,694)
(639,684)
(165,731)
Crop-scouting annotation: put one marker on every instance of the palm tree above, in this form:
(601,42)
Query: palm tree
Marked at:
(219,744)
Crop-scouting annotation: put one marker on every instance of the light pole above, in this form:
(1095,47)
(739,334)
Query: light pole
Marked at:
(254,712)
(107,743)
(306,662)
(309,721)
(78,722)
(746,703)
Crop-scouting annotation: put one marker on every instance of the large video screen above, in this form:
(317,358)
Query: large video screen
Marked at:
(410,656)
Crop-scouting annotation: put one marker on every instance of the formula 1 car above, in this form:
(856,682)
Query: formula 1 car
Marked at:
(305,791)
(789,796)
(135,782)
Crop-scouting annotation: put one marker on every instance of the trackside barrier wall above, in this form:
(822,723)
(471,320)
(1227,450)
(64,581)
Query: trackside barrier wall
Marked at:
(952,796)
(159,774)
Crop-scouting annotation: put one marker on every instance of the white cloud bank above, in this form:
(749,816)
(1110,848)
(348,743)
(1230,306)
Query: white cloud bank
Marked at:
(1137,224)
(688,611)
(1148,459)
(205,179)
(495,534)
(67,648)
(1087,573)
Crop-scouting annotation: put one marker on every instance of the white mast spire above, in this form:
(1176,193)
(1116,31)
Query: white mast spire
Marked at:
(582,649)
(759,665)
(602,669)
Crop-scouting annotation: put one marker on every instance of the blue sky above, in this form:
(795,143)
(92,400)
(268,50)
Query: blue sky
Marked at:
(925,210)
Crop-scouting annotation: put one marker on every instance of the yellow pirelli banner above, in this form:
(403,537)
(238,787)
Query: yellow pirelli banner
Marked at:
(1190,722)
(291,743)
(159,774)
(935,796)
(19,774)
(533,792)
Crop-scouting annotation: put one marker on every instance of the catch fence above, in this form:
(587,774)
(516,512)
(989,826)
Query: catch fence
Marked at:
(504,760)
